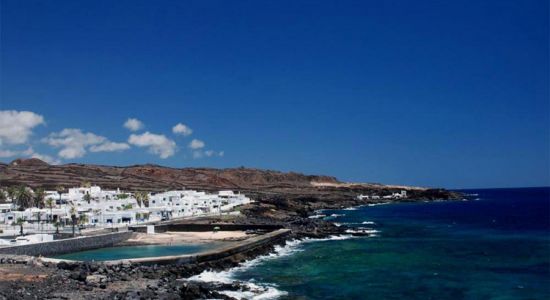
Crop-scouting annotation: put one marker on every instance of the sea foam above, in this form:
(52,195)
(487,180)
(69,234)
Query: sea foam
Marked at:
(317,216)
(255,290)
(367,231)
(338,215)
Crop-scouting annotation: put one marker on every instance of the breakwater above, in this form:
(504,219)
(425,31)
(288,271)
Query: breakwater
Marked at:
(210,255)
(63,246)
(197,227)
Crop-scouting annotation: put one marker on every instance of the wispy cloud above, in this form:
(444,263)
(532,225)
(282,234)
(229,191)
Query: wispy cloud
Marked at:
(110,147)
(8,153)
(74,143)
(29,152)
(157,144)
(207,153)
(47,158)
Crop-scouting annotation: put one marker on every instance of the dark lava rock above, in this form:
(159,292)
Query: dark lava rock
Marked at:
(79,275)
(67,266)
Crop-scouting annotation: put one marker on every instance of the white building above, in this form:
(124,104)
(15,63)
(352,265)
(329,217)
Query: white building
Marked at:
(192,203)
(401,195)
(104,208)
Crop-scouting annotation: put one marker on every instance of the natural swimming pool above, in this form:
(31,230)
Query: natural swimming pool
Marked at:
(127,252)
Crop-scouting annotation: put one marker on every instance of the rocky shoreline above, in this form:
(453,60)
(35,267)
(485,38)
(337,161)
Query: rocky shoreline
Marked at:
(95,280)
(283,199)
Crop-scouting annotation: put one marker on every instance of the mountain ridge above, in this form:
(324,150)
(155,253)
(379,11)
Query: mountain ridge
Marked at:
(289,189)
(30,171)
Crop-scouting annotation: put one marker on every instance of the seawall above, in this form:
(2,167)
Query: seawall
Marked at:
(197,227)
(239,247)
(211,255)
(57,247)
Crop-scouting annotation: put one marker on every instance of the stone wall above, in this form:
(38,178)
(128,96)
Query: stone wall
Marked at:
(68,245)
(206,227)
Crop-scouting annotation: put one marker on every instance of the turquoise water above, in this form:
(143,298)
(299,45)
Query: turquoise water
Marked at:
(494,246)
(126,252)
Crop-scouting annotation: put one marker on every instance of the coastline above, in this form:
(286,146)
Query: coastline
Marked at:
(159,281)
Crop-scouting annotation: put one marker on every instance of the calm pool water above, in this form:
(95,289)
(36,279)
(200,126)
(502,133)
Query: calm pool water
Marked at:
(126,252)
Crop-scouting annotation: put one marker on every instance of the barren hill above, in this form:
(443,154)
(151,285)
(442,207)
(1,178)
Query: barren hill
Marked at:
(267,185)
(34,172)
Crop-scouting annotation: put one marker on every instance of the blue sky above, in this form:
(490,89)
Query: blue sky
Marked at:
(431,93)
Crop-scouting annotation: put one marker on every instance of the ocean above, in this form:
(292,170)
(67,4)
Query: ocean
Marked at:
(493,245)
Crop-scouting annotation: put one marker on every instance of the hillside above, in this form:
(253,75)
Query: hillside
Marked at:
(283,190)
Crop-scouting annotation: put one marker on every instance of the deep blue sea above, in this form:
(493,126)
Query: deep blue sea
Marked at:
(495,245)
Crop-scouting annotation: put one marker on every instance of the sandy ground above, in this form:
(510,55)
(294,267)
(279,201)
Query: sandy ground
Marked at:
(21,273)
(366,185)
(171,237)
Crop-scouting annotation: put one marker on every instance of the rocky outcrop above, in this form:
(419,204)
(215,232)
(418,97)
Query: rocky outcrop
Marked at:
(96,280)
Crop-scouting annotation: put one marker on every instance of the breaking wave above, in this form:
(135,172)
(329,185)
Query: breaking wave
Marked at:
(317,216)
(366,231)
(376,204)
(255,290)
(338,215)
(351,208)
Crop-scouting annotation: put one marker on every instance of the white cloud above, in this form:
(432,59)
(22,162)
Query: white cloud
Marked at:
(74,143)
(29,152)
(46,158)
(109,147)
(16,126)
(157,144)
(196,144)
(133,124)
(51,160)
(207,153)
(8,153)
(182,129)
